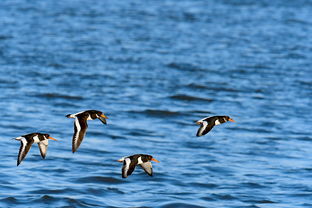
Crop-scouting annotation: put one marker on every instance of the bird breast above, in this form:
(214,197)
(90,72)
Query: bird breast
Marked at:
(217,122)
(140,161)
(36,139)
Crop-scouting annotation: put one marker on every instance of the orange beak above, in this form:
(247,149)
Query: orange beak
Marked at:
(155,160)
(52,138)
(231,120)
(103,116)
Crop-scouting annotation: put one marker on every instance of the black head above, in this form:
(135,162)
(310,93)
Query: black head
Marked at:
(47,136)
(149,158)
(227,118)
(98,114)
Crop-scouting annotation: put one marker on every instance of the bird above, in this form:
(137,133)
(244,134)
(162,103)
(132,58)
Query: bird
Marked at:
(27,141)
(80,125)
(209,122)
(130,162)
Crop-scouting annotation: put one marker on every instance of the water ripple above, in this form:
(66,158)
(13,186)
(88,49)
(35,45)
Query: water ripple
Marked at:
(155,68)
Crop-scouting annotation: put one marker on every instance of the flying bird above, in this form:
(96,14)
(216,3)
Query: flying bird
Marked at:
(130,162)
(27,141)
(206,124)
(80,125)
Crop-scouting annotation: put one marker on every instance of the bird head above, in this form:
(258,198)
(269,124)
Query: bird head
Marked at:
(150,158)
(48,137)
(229,119)
(101,116)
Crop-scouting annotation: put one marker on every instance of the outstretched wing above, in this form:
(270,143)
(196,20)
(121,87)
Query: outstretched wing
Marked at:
(127,168)
(24,149)
(80,128)
(147,167)
(204,128)
(43,147)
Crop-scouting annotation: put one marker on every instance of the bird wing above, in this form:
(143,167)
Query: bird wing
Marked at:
(24,149)
(80,128)
(204,129)
(128,167)
(43,147)
(147,167)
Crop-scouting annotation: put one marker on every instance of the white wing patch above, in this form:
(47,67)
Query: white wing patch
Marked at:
(201,120)
(24,143)
(74,115)
(77,124)
(202,128)
(125,167)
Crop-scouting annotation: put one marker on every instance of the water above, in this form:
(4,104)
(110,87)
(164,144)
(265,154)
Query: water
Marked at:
(154,67)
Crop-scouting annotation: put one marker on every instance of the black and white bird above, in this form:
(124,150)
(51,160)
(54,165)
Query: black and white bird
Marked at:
(27,141)
(130,162)
(206,124)
(80,125)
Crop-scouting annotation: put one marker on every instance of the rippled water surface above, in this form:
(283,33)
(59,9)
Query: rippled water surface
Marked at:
(154,67)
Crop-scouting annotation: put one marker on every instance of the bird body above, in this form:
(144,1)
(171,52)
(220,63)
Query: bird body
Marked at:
(130,162)
(80,125)
(206,124)
(27,141)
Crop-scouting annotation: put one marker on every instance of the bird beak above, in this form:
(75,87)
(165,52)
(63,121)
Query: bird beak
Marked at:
(119,160)
(155,160)
(198,123)
(103,118)
(52,138)
(231,120)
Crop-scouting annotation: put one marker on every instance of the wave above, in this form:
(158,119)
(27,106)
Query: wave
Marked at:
(157,113)
(59,95)
(100,179)
(190,98)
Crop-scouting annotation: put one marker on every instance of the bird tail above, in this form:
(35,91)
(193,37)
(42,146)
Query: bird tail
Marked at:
(70,116)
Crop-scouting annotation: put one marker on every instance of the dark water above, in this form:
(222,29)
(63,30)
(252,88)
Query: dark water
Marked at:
(154,67)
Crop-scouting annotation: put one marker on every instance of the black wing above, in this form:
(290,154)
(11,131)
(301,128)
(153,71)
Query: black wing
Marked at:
(80,128)
(128,167)
(24,149)
(204,128)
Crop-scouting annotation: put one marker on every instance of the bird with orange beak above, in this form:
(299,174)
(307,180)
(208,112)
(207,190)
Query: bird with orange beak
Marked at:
(206,124)
(80,125)
(26,142)
(130,162)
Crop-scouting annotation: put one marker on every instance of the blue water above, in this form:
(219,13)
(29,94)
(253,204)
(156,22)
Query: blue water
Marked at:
(155,67)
